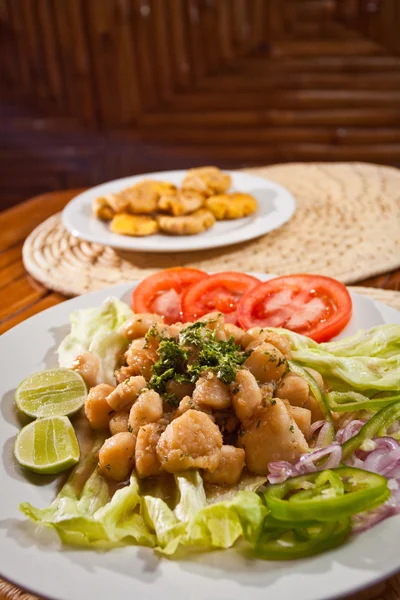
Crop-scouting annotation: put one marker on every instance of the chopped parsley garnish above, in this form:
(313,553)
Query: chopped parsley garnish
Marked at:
(221,357)
(171,355)
(196,351)
(194,334)
(159,382)
(171,361)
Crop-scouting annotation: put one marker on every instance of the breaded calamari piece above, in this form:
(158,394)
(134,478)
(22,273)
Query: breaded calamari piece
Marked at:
(207,180)
(102,209)
(231,206)
(136,225)
(138,199)
(181,203)
(192,224)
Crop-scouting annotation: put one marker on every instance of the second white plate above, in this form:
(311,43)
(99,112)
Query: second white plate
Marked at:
(275,206)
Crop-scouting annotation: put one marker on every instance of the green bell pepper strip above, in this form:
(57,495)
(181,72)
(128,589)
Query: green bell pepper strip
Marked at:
(319,396)
(270,523)
(310,539)
(326,477)
(319,495)
(377,426)
(352,401)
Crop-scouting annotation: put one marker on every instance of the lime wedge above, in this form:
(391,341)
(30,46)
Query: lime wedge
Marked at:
(53,393)
(47,445)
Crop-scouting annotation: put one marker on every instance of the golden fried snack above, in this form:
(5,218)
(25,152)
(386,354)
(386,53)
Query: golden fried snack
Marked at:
(182,202)
(117,202)
(160,187)
(207,180)
(142,197)
(231,206)
(102,210)
(186,224)
(136,225)
(149,186)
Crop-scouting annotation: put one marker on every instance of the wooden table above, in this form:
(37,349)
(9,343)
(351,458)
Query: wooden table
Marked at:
(21,297)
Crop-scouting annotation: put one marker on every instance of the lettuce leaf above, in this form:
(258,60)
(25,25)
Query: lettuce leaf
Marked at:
(382,341)
(92,519)
(86,516)
(368,361)
(196,525)
(95,330)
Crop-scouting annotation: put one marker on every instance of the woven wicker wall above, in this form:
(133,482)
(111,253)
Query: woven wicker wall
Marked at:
(95,89)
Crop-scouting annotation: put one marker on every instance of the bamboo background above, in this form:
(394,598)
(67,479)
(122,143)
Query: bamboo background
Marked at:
(97,89)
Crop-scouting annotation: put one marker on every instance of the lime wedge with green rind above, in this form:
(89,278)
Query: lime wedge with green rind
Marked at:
(52,393)
(47,446)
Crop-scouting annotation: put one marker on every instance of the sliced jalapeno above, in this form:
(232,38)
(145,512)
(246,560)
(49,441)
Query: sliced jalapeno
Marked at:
(377,426)
(326,495)
(319,396)
(312,538)
(351,401)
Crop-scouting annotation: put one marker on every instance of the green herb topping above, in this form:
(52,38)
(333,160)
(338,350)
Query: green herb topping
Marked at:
(196,351)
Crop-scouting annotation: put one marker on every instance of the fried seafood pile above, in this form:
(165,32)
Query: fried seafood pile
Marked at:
(151,206)
(205,395)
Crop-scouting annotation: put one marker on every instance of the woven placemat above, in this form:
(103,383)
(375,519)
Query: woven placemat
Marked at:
(347,225)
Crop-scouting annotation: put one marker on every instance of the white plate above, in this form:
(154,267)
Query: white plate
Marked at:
(37,562)
(275,206)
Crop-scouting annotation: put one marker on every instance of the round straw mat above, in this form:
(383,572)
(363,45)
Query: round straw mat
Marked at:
(347,225)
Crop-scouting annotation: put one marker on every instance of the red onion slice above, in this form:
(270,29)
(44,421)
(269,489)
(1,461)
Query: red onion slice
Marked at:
(306,464)
(280,470)
(387,442)
(382,461)
(315,426)
(355,462)
(323,435)
(364,521)
(349,431)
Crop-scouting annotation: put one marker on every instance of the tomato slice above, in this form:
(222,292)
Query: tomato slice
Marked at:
(161,293)
(313,305)
(220,292)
